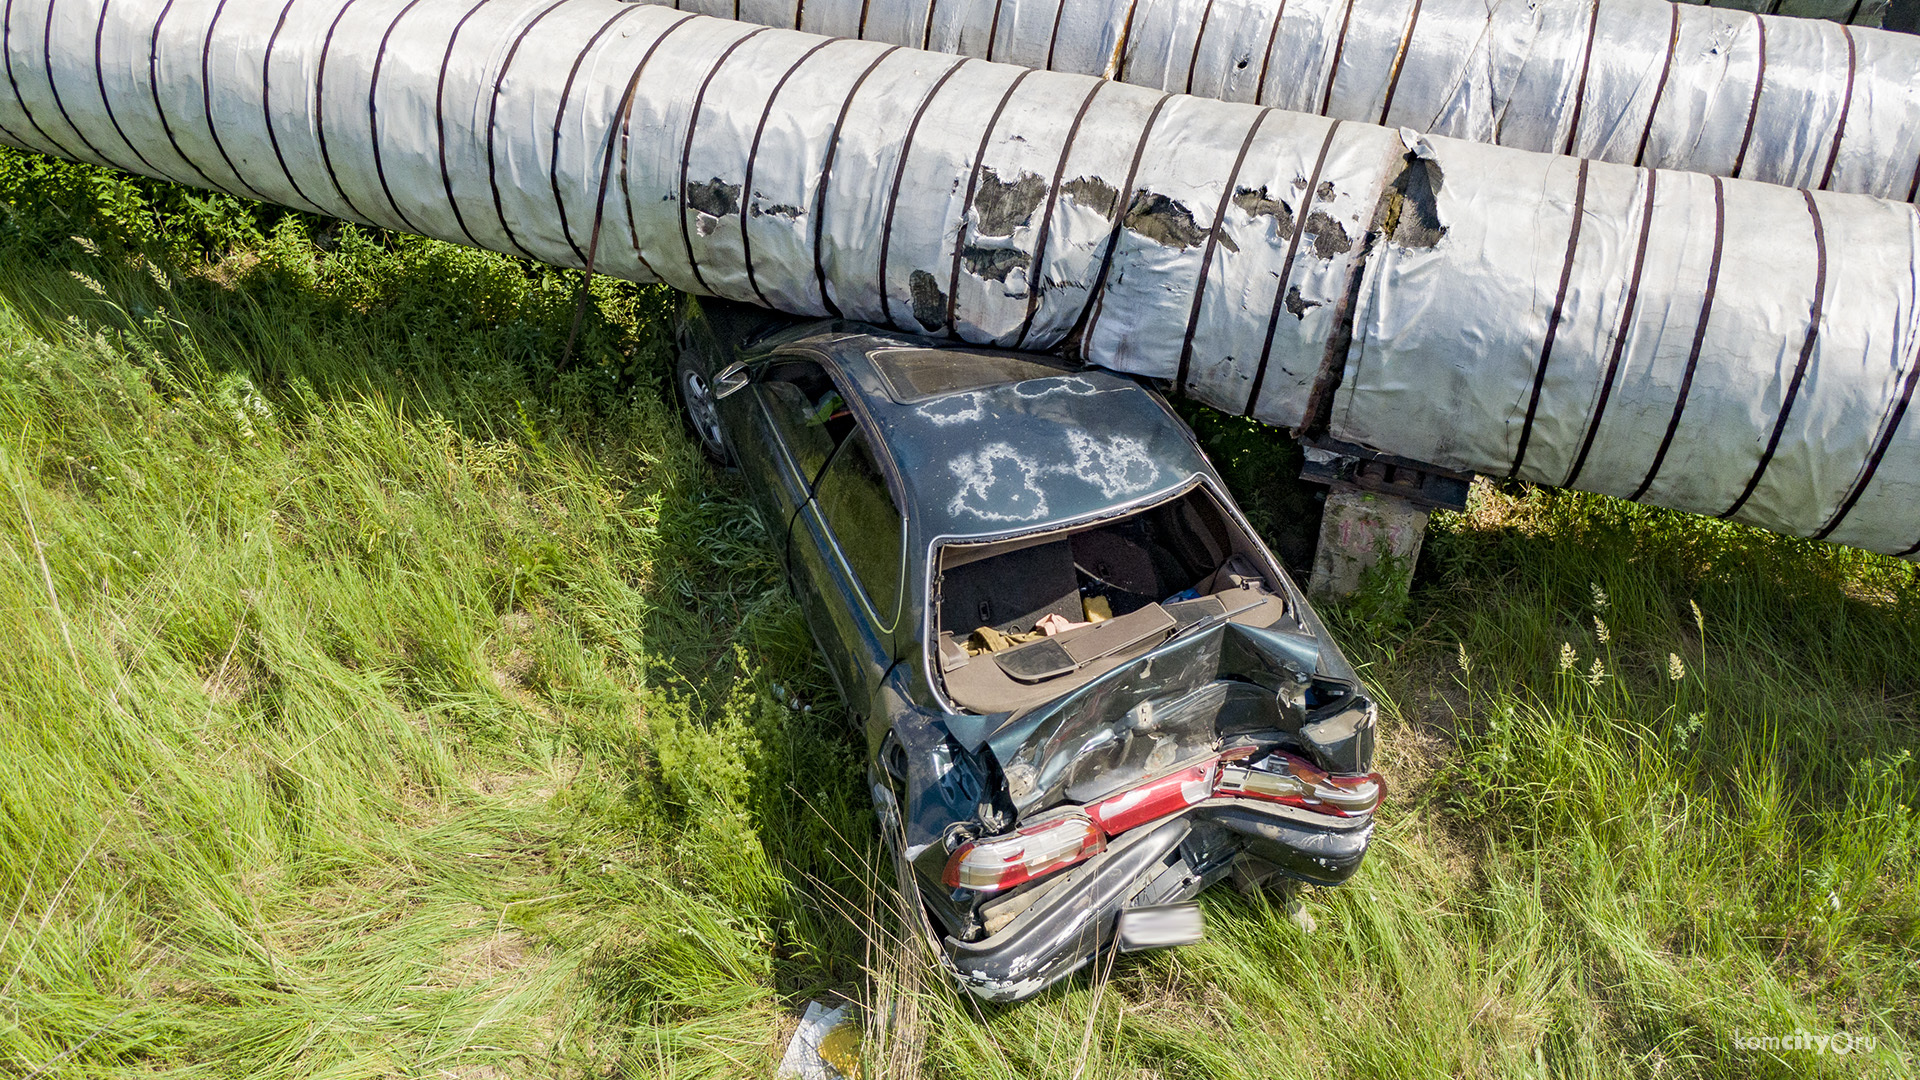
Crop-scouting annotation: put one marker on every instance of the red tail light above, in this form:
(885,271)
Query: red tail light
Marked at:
(1294,781)
(1020,856)
(1169,794)
(1001,862)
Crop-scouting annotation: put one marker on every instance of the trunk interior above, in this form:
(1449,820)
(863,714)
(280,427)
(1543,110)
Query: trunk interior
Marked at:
(1025,620)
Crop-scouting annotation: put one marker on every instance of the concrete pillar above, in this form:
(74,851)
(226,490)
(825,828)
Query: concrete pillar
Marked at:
(1363,532)
(1375,516)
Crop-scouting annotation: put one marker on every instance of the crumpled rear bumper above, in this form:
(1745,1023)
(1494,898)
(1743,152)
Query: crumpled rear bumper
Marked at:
(1159,864)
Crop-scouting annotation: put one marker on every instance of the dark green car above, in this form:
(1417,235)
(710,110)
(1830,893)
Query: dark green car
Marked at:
(1088,690)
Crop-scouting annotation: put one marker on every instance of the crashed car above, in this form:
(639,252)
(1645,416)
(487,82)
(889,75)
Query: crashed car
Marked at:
(1088,690)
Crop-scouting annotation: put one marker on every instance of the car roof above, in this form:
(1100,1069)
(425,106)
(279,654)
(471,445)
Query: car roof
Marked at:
(1015,456)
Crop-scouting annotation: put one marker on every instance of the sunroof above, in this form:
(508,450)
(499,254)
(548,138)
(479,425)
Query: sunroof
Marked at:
(914,375)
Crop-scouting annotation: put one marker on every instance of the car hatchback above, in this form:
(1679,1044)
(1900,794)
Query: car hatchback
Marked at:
(1088,690)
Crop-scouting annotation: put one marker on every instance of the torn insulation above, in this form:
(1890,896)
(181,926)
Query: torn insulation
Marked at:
(1714,345)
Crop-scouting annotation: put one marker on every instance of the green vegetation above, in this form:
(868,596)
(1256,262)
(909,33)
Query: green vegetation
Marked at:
(384,698)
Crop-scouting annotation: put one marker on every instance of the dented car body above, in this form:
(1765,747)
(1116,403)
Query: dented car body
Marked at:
(1087,690)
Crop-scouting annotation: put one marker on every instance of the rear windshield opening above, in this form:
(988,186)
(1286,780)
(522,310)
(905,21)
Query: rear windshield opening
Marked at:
(1023,621)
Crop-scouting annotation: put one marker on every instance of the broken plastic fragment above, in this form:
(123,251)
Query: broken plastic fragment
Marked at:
(826,1046)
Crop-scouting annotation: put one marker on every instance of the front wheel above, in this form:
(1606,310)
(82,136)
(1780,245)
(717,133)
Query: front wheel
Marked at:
(695,389)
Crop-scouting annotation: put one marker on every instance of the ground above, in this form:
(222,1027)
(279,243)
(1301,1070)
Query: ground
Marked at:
(393,694)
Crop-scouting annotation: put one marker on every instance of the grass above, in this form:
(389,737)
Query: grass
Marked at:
(385,697)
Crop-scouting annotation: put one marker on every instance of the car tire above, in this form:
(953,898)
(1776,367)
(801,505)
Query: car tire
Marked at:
(693,385)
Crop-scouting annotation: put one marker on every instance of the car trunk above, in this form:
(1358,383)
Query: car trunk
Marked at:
(1224,687)
(1209,665)
(1191,730)
(1025,620)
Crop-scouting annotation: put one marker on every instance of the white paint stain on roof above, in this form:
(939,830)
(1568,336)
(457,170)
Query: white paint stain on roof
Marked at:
(1000,483)
(1117,465)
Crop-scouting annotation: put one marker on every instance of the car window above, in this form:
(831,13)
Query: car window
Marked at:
(865,523)
(807,412)
(916,375)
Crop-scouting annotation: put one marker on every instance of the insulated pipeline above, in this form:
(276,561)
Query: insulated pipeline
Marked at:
(1857,12)
(1715,345)
(1639,82)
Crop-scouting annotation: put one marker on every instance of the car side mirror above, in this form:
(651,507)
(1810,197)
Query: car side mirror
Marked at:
(731,380)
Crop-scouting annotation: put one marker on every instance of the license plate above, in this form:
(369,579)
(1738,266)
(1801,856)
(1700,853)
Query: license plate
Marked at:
(1160,926)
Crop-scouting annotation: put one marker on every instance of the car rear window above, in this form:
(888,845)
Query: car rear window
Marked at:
(914,375)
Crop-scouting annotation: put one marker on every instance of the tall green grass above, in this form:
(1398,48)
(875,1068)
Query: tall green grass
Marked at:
(384,697)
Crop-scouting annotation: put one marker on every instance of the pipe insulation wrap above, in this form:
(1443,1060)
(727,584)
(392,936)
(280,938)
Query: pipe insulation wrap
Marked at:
(1730,348)
(1641,82)
(1714,345)
(1857,12)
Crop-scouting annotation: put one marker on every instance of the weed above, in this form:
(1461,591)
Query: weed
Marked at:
(382,700)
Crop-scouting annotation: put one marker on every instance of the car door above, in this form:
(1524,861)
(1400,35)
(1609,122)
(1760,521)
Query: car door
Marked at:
(848,551)
(788,420)
(796,416)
